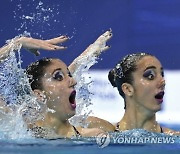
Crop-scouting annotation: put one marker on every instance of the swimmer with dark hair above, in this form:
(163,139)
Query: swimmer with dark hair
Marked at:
(139,78)
(53,84)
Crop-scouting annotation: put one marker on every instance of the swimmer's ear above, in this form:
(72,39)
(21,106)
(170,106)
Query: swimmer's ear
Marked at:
(40,95)
(127,89)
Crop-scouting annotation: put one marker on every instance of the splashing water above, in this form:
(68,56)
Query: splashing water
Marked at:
(18,104)
(41,16)
(83,98)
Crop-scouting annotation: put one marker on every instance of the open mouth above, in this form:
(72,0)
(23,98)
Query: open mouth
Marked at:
(72,99)
(160,96)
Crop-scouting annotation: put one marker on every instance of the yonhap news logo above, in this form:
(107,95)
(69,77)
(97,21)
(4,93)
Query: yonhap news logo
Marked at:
(143,140)
(104,139)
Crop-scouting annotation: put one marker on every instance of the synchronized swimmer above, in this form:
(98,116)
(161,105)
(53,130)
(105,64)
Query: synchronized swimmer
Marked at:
(139,78)
(52,83)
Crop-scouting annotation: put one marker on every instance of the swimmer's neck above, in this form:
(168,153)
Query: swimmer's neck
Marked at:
(139,119)
(61,127)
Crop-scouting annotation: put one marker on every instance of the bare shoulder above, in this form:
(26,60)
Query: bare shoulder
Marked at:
(170,131)
(95,122)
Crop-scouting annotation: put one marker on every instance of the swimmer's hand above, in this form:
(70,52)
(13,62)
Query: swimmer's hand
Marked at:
(33,45)
(99,45)
(94,49)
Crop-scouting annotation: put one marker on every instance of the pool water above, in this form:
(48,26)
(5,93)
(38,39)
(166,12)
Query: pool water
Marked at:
(76,147)
(85,146)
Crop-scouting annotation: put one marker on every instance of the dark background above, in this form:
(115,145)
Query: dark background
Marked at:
(138,25)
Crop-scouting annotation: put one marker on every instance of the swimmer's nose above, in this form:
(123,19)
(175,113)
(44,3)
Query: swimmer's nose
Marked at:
(72,82)
(162,84)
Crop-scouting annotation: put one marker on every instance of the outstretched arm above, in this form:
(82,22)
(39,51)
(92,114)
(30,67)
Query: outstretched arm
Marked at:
(94,49)
(33,45)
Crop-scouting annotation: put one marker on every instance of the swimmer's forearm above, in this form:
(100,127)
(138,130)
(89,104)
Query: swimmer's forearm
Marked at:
(94,50)
(75,64)
(4,51)
(13,45)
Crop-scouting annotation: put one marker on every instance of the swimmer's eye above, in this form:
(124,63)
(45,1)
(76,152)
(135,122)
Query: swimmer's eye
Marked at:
(150,74)
(58,75)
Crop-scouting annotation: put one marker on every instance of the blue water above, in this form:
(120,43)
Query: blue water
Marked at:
(76,147)
(85,146)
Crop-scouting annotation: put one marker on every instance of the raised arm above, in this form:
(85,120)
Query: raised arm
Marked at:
(94,50)
(33,45)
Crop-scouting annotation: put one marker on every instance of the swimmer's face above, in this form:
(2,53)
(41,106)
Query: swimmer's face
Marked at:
(58,86)
(149,84)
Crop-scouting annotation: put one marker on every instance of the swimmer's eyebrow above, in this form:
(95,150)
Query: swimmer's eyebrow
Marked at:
(152,67)
(57,69)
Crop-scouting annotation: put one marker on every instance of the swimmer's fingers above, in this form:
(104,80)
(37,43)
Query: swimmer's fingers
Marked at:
(100,43)
(50,47)
(104,37)
(107,35)
(105,48)
(33,45)
(100,50)
(57,40)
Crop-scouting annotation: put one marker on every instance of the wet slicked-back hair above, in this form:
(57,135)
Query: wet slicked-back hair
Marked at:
(122,73)
(36,71)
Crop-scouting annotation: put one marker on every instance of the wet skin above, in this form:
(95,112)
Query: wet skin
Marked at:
(58,86)
(149,84)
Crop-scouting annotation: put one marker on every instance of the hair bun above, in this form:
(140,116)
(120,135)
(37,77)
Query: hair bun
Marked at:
(111,77)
